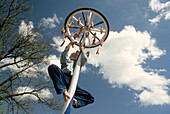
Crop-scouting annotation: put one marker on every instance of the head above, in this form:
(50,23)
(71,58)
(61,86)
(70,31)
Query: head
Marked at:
(74,55)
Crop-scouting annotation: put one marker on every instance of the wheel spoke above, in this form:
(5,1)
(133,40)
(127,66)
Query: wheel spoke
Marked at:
(90,15)
(77,20)
(84,18)
(75,27)
(96,30)
(96,36)
(81,38)
(98,23)
(91,20)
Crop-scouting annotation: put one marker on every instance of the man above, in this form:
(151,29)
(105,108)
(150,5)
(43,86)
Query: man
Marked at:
(62,77)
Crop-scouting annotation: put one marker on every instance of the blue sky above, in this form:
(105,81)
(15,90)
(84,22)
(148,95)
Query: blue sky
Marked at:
(131,75)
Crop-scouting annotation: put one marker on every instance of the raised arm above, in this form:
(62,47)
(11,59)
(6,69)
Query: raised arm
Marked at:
(64,54)
(83,57)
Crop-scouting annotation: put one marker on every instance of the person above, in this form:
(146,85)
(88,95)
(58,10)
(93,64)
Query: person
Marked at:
(62,77)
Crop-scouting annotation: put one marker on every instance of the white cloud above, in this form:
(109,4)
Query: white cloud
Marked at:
(156,19)
(20,90)
(44,93)
(121,60)
(167,16)
(156,5)
(26,29)
(156,97)
(163,10)
(13,68)
(53,59)
(50,22)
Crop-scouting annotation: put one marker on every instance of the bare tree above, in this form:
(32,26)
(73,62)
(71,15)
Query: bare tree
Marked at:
(22,57)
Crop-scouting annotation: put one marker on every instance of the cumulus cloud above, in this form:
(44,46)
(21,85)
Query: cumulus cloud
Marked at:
(53,59)
(163,10)
(26,29)
(121,62)
(50,22)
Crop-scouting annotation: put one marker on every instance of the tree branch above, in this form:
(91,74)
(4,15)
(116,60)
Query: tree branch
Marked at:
(20,94)
(10,78)
(11,97)
(1,26)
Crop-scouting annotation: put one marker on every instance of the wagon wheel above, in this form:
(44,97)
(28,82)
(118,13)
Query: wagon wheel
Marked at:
(87,24)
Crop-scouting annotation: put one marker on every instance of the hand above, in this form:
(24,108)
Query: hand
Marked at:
(82,48)
(66,96)
(71,44)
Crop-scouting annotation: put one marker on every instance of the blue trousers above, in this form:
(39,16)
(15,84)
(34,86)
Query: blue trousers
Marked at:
(61,83)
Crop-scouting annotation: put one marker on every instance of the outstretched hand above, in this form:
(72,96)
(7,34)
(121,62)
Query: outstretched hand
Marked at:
(71,44)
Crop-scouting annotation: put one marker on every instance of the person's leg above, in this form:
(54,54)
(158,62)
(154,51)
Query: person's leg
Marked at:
(58,78)
(61,82)
(83,98)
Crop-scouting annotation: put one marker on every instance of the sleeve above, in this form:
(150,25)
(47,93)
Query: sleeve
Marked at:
(83,59)
(64,56)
